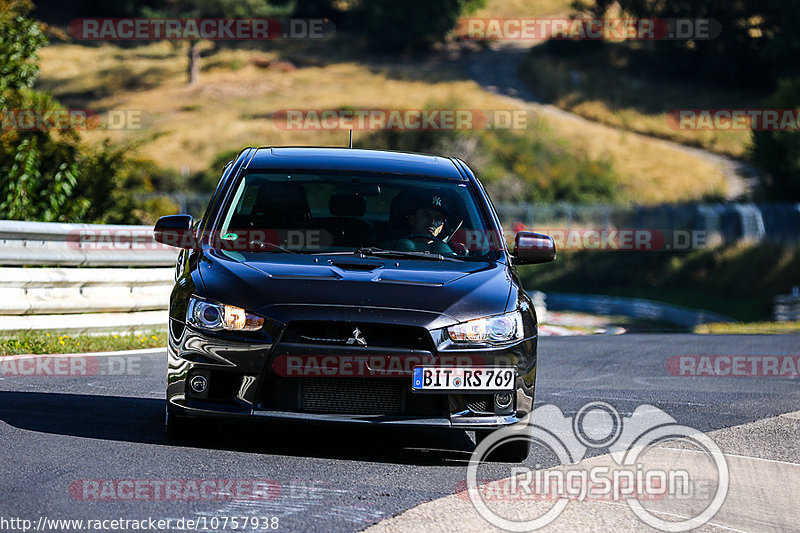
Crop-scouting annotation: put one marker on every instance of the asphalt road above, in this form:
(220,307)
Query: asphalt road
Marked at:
(58,432)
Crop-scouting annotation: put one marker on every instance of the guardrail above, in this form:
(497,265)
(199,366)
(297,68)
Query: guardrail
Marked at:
(113,299)
(631,307)
(57,296)
(787,306)
(36,291)
(721,223)
(47,243)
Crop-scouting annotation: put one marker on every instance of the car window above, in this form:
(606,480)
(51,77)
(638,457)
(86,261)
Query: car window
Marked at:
(319,213)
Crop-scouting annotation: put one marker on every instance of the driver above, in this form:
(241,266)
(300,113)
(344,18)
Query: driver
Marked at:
(426,222)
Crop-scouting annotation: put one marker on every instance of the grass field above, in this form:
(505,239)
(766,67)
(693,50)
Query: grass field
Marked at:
(524,8)
(750,328)
(230,107)
(592,87)
(42,342)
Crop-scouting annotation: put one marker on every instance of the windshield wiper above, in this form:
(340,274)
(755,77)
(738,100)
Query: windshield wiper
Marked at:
(380,252)
(269,247)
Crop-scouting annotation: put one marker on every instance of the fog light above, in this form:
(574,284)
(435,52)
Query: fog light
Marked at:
(199,384)
(503,400)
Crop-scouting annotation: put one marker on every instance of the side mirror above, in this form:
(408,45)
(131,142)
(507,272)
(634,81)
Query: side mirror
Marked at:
(175,230)
(533,248)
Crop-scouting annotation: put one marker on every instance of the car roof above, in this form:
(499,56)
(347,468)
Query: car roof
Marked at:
(353,160)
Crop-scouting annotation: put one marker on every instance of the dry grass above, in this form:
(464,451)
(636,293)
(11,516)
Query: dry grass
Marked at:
(604,94)
(228,109)
(748,328)
(524,8)
(649,172)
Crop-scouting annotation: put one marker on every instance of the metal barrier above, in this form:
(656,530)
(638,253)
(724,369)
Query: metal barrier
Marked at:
(103,299)
(36,291)
(787,306)
(722,223)
(50,294)
(46,243)
(632,307)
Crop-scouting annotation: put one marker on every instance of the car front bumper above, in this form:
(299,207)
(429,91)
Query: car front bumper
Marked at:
(243,385)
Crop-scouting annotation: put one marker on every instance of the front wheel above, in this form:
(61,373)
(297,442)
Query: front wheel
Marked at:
(512,451)
(178,427)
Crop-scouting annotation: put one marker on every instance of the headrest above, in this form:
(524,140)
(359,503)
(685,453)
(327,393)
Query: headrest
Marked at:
(347,205)
(283,200)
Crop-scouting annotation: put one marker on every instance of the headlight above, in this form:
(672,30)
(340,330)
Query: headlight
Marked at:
(213,316)
(499,328)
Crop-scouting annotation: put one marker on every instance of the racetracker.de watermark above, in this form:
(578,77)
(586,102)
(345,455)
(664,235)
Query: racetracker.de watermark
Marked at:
(175,490)
(588,29)
(193,29)
(376,365)
(779,366)
(735,119)
(639,471)
(257,240)
(372,119)
(73,119)
(69,365)
(622,239)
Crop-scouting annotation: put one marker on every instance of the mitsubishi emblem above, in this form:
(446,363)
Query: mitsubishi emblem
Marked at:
(357,338)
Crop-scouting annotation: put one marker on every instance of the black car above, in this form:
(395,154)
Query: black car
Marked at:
(351,286)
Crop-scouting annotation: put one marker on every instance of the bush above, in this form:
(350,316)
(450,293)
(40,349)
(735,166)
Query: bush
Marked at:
(778,152)
(411,24)
(529,166)
(49,175)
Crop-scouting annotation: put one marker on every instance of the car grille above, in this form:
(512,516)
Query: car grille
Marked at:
(480,404)
(375,335)
(351,396)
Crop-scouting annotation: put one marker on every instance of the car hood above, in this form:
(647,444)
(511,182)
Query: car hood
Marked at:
(288,287)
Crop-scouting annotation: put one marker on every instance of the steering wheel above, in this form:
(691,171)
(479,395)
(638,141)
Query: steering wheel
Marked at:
(431,243)
(423,237)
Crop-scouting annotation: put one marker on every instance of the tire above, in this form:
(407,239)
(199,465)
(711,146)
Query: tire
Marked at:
(178,427)
(515,451)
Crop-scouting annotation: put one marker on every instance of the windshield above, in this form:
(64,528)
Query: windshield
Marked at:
(364,214)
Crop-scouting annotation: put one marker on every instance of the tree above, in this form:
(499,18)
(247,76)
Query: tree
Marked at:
(214,9)
(778,152)
(39,172)
(49,175)
(20,38)
(412,24)
(738,56)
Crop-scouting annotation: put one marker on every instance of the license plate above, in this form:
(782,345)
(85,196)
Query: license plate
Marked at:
(464,379)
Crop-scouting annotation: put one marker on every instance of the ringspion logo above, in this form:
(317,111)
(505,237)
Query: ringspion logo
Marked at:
(631,476)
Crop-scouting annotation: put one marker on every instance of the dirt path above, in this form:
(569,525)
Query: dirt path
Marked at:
(496,70)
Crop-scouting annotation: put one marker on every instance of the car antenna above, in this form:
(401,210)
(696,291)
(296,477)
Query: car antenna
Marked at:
(351,137)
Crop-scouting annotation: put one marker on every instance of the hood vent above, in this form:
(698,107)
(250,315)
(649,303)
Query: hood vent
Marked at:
(356,266)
